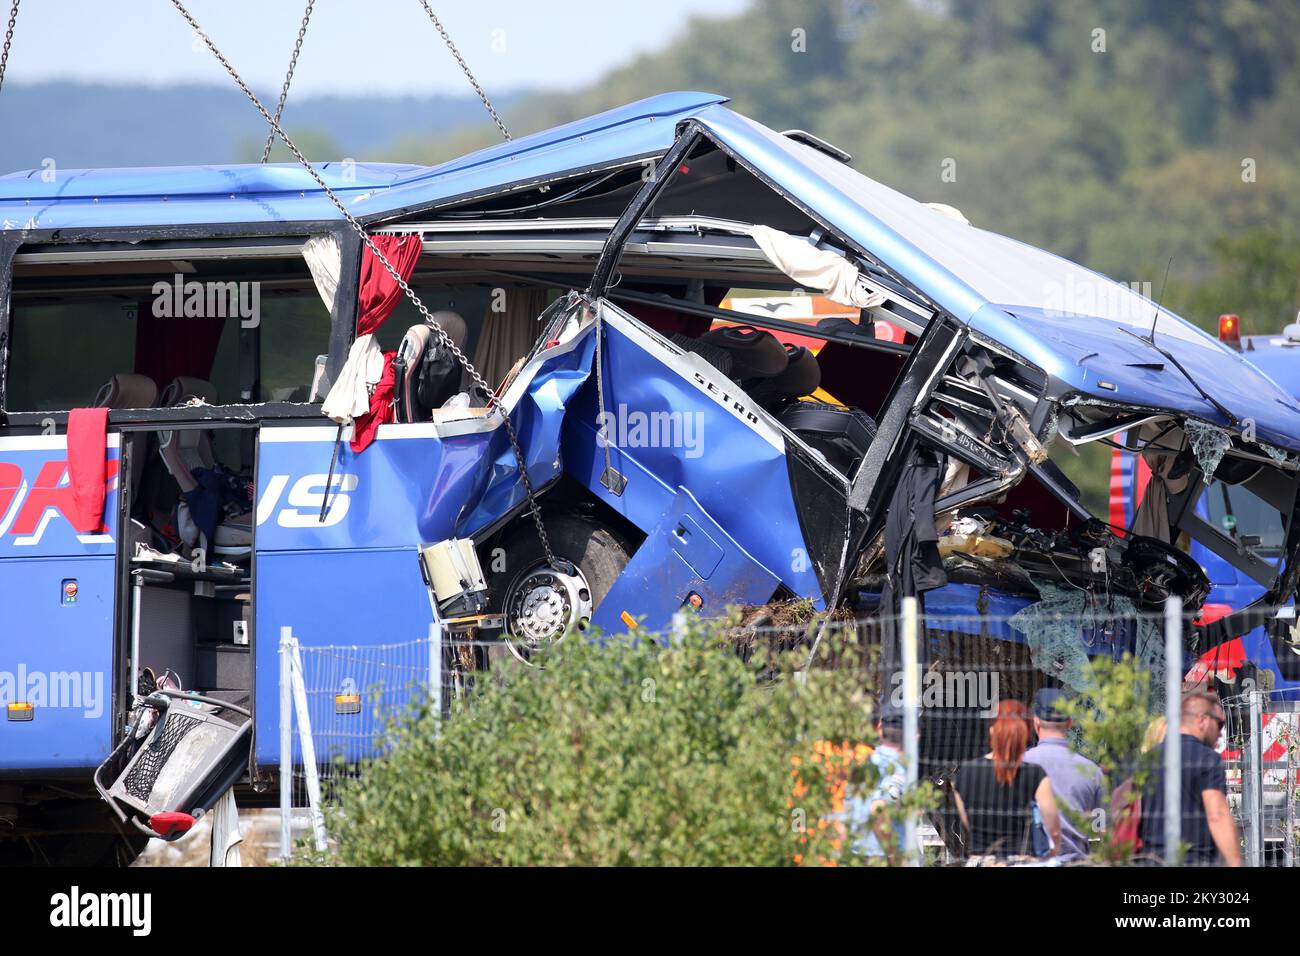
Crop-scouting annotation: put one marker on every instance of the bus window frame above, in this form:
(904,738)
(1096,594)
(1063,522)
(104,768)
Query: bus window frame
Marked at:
(342,317)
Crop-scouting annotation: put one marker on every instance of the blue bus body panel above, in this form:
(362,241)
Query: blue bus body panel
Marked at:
(1032,301)
(55,653)
(355,578)
(207,195)
(736,471)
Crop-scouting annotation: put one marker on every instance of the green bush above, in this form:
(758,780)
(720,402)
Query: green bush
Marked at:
(630,753)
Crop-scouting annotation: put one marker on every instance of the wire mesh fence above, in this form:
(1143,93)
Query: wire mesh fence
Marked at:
(1041,736)
(337,703)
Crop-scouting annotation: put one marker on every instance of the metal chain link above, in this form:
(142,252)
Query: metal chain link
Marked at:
(439,331)
(465,68)
(288,78)
(9,39)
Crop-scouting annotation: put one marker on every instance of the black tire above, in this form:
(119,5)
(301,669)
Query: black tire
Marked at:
(597,551)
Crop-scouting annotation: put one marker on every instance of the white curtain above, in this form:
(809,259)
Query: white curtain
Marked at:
(324,259)
(508,333)
(819,269)
(349,396)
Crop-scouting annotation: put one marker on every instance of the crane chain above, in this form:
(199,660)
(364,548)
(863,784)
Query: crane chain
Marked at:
(9,39)
(439,331)
(446,38)
(288,78)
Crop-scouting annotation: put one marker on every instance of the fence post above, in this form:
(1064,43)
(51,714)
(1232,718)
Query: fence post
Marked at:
(286,746)
(309,768)
(435,664)
(1173,735)
(1252,790)
(911,719)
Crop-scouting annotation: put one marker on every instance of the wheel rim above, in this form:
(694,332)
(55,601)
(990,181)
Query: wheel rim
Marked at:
(541,606)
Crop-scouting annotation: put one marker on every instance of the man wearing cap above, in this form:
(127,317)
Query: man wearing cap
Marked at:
(1076,780)
(878,837)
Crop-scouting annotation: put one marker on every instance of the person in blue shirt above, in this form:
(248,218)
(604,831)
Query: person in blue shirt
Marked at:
(876,836)
(1075,780)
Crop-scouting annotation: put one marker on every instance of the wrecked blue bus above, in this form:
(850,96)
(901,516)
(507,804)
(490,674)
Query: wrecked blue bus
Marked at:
(173,495)
(1256,526)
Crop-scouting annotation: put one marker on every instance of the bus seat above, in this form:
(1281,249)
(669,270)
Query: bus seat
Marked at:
(185,389)
(406,374)
(425,373)
(127,390)
(183,450)
(234,538)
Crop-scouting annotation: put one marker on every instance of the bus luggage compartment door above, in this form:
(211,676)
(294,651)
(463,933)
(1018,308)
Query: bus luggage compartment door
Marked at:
(337,558)
(57,600)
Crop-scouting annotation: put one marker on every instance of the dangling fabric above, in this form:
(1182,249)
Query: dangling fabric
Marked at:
(87,467)
(379,293)
(381,407)
(820,269)
(324,260)
(351,399)
(912,561)
(1152,516)
(913,564)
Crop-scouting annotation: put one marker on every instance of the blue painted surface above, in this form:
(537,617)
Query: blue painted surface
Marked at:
(54,653)
(735,474)
(366,597)
(685,552)
(953,607)
(60,657)
(948,261)
(201,195)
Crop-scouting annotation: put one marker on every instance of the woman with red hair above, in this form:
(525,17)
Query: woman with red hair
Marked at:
(996,793)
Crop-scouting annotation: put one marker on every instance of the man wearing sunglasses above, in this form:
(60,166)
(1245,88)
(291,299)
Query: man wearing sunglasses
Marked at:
(1208,828)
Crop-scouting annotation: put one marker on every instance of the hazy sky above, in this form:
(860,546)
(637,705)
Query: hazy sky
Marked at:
(352,46)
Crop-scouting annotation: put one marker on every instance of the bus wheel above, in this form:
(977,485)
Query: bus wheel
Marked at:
(541,604)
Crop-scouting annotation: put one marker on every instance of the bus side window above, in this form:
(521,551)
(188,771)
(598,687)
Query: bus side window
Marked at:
(250,328)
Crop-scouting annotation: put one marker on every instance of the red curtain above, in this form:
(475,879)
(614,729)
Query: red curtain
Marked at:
(379,294)
(377,298)
(166,348)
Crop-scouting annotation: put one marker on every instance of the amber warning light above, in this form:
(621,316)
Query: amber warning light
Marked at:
(1230,330)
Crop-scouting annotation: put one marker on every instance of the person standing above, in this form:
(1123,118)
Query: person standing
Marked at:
(1076,780)
(880,833)
(995,794)
(1208,829)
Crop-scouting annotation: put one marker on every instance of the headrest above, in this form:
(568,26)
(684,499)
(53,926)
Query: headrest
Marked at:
(183,388)
(127,390)
(755,353)
(800,377)
(413,344)
(454,325)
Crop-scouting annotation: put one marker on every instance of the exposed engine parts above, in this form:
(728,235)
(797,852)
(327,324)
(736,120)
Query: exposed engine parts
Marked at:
(1009,553)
